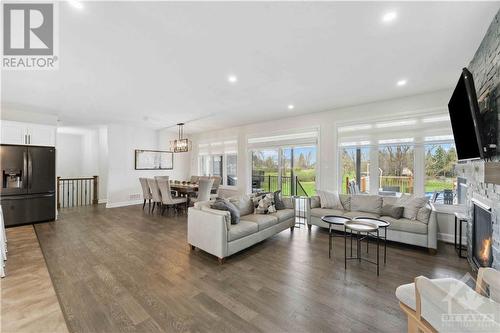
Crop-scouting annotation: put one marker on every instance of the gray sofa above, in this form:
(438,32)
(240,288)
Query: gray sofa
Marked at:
(211,230)
(421,232)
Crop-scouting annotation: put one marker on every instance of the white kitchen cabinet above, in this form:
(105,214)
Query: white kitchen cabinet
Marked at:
(19,133)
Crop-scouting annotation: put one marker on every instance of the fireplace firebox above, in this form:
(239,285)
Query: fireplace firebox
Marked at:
(482,231)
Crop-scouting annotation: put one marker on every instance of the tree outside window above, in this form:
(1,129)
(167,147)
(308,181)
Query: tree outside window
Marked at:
(440,160)
(395,164)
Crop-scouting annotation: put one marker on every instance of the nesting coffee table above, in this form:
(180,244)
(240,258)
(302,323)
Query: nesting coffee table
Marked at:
(333,220)
(357,228)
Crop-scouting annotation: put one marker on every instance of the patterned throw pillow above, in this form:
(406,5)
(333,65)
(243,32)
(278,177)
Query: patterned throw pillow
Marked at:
(266,204)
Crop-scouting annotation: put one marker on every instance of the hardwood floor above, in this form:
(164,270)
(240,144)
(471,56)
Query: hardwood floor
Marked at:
(123,269)
(29,302)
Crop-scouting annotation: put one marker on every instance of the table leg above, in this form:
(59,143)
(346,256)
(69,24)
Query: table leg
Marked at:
(367,242)
(385,245)
(329,241)
(455,235)
(378,240)
(351,243)
(345,248)
(358,248)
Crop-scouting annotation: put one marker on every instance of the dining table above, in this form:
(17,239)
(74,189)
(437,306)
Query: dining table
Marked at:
(184,189)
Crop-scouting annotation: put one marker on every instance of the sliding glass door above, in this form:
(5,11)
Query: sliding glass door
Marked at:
(290,169)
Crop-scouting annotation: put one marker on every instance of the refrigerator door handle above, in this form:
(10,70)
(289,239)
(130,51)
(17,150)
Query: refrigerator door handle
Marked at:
(25,169)
(30,169)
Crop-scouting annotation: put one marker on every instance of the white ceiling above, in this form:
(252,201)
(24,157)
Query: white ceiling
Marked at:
(155,64)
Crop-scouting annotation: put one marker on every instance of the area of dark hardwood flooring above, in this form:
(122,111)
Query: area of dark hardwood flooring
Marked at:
(123,269)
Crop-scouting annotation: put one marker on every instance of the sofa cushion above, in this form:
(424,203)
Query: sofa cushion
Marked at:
(263,221)
(354,214)
(412,205)
(283,214)
(320,212)
(406,225)
(366,203)
(329,199)
(345,200)
(392,211)
(242,229)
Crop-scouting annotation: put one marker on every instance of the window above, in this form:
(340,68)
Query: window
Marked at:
(355,167)
(396,169)
(219,159)
(231,169)
(289,169)
(440,160)
(222,165)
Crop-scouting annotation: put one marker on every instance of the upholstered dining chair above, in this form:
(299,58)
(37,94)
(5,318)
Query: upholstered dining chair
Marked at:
(215,187)
(204,188)
(166,195)
(146,192)
(174,193)
(155,193)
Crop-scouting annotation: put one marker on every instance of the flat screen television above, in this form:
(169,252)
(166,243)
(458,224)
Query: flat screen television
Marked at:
(466,119)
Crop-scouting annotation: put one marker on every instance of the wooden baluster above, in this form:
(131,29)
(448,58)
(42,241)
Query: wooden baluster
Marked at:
(95,200)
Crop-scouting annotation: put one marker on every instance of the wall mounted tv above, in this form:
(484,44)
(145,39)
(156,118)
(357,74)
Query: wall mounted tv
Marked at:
(466,119)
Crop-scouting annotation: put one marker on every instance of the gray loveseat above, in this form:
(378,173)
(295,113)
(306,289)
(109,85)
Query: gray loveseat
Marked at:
(421,232)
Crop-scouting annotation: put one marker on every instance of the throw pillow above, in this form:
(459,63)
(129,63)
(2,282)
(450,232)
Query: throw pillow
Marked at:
(222,204)
(330,200)
(345,200)
(411,205)
(423,215)
(396,212)
(315,202)
(278,203)
(264,204)
(244,204)
(366,203)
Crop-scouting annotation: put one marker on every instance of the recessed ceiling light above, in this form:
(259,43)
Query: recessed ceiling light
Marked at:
(75,3)
(232,79)
(291,107)
(401,83)
(389,17)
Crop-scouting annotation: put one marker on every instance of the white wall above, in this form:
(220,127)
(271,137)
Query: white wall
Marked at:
(123,180)
(69,155)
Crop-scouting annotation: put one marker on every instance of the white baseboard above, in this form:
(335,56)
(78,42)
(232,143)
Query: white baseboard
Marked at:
(103,201)
(449,238)
(124,203)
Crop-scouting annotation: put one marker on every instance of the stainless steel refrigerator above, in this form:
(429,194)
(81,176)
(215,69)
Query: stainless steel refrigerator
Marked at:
(27,194)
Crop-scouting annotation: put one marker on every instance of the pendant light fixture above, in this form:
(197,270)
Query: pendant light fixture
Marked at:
(181,145)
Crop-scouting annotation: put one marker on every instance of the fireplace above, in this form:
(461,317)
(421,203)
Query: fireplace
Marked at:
(482,231)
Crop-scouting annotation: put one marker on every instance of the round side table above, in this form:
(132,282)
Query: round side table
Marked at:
(381,224)
(333,220)
(358,228)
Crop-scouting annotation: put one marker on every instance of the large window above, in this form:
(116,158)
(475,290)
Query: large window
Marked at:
(396,169)
(222,165)
(440,160)
(291,169)
(355,169)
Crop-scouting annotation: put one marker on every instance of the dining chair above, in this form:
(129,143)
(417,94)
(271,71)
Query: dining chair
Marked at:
(204,189)
(215,187)
(166,196)
(146,192)
(174,193)
(155,193)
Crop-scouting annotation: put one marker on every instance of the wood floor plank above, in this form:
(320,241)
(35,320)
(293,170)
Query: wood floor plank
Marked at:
(124,269)
(28,300)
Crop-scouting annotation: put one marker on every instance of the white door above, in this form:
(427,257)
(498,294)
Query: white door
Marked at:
(13,133)
(42,135)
